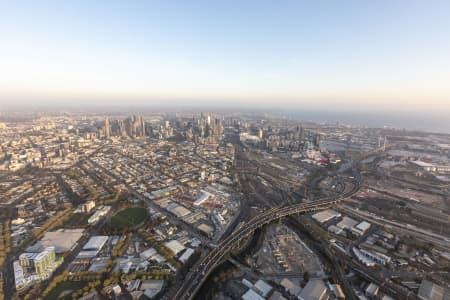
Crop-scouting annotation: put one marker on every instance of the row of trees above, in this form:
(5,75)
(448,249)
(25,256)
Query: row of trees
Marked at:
(120,246)
(85,288)
(5,241)
(5,248)
(90,281)
(57,220)
(119,197)
(151,274)
(163,250)
(55,282)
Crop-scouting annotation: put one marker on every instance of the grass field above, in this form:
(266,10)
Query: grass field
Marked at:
(128,217)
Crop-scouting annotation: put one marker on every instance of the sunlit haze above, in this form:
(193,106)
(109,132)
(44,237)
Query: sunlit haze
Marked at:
(224,149)
(384,55)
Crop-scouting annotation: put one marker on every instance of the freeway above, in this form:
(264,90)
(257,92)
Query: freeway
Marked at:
(199,273)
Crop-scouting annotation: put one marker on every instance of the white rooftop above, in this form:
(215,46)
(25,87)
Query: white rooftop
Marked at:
(63,240)
(185,256)
(175,246)
(363,226)
(347,223)
(148,253)
(263,287)
(326,215)
(96,242)
(205,195)
(251,295)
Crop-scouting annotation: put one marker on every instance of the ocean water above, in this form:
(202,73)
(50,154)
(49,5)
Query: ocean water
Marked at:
(430,122)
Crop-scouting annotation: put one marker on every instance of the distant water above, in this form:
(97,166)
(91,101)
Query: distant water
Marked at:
(411,121)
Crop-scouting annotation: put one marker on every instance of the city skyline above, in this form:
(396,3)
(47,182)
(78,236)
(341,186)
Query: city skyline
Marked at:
(253,150)
(352,56)
(148,205)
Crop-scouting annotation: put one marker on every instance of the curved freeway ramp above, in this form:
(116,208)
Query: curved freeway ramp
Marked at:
(196,277)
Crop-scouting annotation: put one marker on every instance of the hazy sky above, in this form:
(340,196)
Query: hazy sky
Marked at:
(351,54)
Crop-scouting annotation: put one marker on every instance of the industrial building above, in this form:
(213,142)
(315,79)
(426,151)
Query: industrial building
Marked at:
(152,288)
(432,291)
(257,291)
(251,295)
(204,197)
(96,243)
(102,211)
(314,290)
(326,215)
(175,246)
(93,246)
(186,255)
(347,223)
(63,240)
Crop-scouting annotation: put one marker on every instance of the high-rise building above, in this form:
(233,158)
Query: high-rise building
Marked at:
(107,128)
(41,263)
(317,140)
(142,124)
(45,261)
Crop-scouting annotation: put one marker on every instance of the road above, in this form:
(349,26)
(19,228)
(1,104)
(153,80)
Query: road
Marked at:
(172,219)
(196,277)
(199,273)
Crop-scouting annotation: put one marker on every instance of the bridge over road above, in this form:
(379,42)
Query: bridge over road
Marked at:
(196,277)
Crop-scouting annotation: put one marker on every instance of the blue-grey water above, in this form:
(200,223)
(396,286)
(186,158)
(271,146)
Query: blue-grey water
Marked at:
(432,122)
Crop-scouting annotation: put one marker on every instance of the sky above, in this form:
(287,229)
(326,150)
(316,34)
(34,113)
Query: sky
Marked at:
(348,55)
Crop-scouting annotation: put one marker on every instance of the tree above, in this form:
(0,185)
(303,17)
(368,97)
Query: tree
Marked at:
(306,276)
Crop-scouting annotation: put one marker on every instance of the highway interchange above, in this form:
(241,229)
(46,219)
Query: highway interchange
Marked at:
(201,270)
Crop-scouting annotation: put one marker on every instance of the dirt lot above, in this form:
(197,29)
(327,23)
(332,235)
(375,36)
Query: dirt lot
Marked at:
(283,251)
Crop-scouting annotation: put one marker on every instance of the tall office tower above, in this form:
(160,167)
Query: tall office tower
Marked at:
(194,123)
(297,133)
(317,140)
(107,128)
(261,133)
(302,134)
(122,130)
(202,130)
(127,127)
(133,125)
(142,123)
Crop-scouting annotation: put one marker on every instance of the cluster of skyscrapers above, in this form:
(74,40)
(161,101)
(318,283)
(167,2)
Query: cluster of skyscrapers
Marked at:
(133,126)
(207,128)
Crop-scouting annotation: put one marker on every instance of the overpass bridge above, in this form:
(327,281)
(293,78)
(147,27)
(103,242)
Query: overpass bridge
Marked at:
(200,272)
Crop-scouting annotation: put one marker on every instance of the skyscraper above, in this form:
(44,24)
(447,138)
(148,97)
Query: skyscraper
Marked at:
(107,128)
